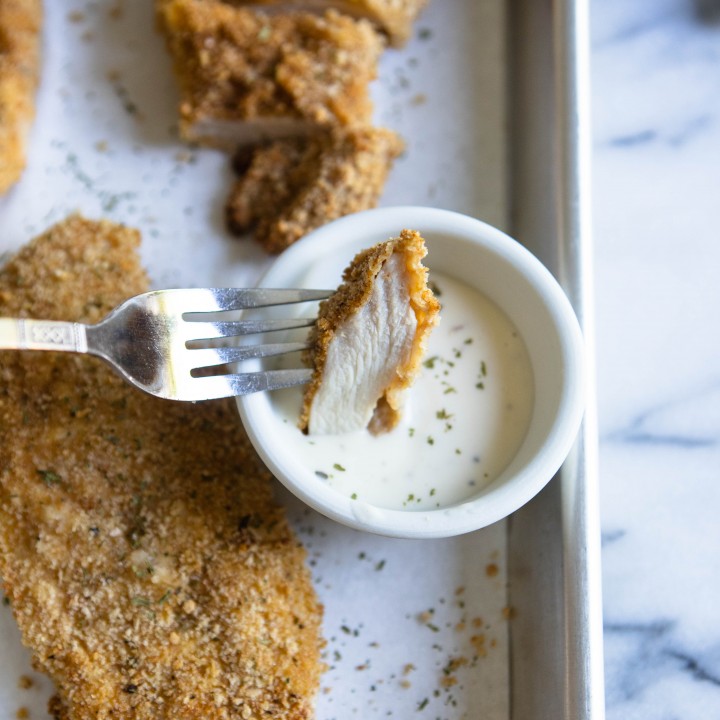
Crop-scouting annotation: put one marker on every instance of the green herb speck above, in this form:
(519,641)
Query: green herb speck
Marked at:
(49,477)
(430,362)
(430,440)
(339,467)
(353,496)
(142,572)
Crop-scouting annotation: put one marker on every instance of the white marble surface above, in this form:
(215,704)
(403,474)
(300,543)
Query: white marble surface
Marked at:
(656,82)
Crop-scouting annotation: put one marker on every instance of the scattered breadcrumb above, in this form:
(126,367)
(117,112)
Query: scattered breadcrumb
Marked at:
(25,682)
(290,187)
(148,567)
(20,23)
(245,74)
(394,17)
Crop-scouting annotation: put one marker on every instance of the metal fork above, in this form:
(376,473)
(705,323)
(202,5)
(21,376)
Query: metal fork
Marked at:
(157,342)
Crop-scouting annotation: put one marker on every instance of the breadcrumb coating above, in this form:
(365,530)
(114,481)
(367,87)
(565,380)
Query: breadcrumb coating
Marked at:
(354,292)
(145,561)
(290,187)
(241,70)
(20,24)
(393,17)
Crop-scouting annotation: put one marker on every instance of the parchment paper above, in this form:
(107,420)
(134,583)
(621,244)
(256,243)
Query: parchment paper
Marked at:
(414,628)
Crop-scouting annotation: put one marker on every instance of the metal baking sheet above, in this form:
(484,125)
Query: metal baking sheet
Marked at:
(502,623)
(556,659)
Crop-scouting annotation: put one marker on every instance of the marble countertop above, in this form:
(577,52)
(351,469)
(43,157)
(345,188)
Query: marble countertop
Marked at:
(656,154)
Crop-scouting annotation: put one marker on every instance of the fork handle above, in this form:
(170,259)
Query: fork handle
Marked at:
(20,334)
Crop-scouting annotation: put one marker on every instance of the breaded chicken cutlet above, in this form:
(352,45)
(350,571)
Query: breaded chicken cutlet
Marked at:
(20,23)
(145,561)
(246,75)
(290,187)
(369,340)
(393,17)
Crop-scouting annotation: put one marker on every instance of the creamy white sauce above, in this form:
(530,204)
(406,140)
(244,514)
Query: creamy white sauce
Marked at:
(464,419)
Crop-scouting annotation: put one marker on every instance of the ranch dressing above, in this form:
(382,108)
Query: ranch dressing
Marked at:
(465,417)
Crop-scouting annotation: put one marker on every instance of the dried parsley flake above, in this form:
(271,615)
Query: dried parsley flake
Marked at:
(49,477)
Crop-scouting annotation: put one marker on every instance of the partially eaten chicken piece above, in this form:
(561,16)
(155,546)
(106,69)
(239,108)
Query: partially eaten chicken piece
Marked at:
(246,75)
(290,187)
(393,17)
(369,340)
(149,569)
(20,22)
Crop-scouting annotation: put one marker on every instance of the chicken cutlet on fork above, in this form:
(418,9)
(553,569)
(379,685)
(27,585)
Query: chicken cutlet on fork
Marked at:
(369,340)
(145,561)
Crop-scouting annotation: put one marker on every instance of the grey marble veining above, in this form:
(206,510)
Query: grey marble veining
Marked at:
(656,83)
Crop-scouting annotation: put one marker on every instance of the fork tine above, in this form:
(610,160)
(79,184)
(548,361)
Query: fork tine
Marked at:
(246,383)
(206,357)
(235,299)
(221,386)
(208,331)
(206,300)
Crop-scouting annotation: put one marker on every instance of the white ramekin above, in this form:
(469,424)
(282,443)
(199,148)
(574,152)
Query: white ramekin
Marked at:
(516,281)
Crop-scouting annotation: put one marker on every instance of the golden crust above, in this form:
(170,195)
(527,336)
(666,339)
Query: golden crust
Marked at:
(20,23)
(291,187)
(240,65)
(394,17)
(358,280)
(146,563)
